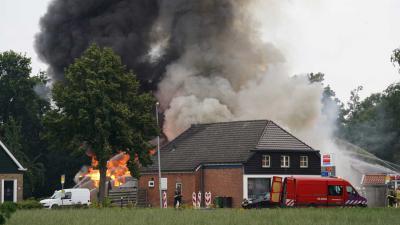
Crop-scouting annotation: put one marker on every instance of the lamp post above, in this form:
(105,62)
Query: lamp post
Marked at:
(158,158)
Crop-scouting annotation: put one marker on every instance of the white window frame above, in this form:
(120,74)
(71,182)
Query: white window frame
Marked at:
(177,184)
(303,163)
(264,159)
(2,190)
(285,161)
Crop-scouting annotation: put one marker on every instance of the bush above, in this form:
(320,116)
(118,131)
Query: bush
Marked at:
(106,204)
(29,204)
(5,211)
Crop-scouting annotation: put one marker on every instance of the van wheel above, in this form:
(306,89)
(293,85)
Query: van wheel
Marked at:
(55,206)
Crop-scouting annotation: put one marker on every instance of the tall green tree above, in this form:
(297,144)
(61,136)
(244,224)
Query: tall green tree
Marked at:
(374,123)
(332,106)
(35,173)
(395,58)
(99,107)
(21,113)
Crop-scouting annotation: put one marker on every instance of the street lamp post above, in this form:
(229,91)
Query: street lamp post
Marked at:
(158,157)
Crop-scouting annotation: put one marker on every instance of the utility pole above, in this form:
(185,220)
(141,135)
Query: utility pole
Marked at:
(159,158)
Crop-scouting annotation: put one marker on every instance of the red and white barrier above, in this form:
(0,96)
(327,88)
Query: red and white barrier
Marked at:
(207,197)
(199,199)
(194,199)
(289,202)
(164,199)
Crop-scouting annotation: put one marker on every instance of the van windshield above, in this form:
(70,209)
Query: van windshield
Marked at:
(351,191)
(56,195)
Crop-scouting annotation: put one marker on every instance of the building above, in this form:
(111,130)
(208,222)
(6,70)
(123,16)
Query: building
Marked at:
(232,159)
(11,176)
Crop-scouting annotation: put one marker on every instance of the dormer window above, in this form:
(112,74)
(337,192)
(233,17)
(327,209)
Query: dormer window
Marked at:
(303,161)
(285,161)
(266,161)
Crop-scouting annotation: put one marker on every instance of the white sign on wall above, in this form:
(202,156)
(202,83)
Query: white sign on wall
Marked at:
(164,183)
(327,160)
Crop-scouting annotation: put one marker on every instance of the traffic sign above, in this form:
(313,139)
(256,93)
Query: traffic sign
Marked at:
(63,179)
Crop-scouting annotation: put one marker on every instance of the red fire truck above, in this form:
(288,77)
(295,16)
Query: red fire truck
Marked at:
(310,191)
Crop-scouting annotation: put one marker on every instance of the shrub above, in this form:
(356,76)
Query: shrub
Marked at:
(106,204)
(5,211)
(29,204)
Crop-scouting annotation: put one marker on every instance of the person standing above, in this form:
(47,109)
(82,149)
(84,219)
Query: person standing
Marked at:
(177,198)
(391,197)
(398,197)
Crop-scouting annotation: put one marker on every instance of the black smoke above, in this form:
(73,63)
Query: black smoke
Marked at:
(130,28)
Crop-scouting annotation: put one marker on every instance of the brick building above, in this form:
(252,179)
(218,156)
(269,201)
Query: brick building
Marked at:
(11,176)
(232,159)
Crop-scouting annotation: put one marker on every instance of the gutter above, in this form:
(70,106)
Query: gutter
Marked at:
(20,167)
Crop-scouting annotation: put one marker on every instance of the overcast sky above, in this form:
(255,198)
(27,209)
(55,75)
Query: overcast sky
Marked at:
(350,41)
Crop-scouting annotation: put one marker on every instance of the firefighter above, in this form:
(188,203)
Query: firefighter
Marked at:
(397,197)
(177,197)
(391,197)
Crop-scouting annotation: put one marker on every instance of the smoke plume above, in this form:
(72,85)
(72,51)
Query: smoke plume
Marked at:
(204,60)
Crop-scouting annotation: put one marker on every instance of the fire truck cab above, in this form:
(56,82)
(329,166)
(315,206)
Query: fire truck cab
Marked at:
(317,191)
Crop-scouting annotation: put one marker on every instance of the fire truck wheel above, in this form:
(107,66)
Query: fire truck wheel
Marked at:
(312,205)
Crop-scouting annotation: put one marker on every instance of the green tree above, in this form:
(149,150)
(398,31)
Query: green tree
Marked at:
(395,58)
(21,111)
(332,106)
(374,123)
(99,107)
(35,168)
(316,77)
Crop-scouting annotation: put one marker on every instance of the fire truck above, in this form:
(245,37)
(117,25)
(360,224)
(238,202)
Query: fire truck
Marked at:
(310,192)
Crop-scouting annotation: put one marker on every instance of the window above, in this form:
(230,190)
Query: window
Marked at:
(303,161)
(350,191)
(285,161)
(178,187)
(67,195)
(266,161)
(335,190)
(258,188)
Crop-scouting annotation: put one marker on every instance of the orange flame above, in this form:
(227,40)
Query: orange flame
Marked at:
(117,170)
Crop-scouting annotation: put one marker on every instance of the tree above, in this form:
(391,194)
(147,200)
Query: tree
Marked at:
(316,77)
(21,112)
(35,168)
(332,106)
(395,58)
(99,108)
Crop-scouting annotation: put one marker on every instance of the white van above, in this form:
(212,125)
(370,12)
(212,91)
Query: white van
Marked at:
(68,197)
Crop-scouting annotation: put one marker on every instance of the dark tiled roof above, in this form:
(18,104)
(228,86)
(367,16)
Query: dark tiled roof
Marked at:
(276,138)
(226,142)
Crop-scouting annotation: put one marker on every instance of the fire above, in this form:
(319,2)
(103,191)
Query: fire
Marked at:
(117,170)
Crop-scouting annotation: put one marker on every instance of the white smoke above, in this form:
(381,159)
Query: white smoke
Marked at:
(235,75)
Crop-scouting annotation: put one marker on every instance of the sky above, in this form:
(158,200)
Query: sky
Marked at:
(349,40)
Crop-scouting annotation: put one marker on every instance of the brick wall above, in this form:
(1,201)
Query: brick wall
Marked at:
(225,182)
(219,181)
(189,184)
(20,183)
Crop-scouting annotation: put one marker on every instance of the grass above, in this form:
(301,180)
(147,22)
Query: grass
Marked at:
(117,216)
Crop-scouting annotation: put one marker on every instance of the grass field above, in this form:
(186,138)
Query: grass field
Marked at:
(117,216)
